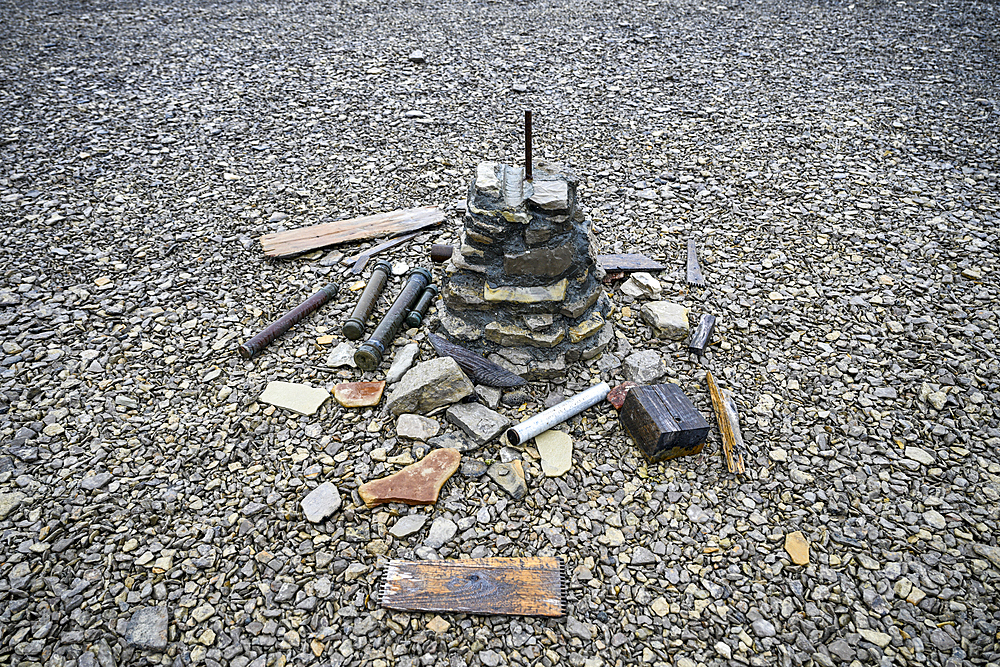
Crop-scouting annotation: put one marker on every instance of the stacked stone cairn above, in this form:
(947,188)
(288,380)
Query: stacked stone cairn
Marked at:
(524,287)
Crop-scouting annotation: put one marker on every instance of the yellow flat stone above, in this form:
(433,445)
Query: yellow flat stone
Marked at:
(554,292)
(586,328)
(324,340)
(797,547)
(511,336)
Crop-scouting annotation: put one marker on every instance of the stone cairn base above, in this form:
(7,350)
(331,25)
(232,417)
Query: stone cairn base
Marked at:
(524,288)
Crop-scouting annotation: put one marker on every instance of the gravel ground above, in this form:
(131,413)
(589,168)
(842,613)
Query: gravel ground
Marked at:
(837,163)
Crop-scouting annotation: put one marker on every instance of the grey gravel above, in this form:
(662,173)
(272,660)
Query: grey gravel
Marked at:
(835,162)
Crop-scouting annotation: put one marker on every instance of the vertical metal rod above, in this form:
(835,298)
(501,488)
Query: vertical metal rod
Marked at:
(527,145)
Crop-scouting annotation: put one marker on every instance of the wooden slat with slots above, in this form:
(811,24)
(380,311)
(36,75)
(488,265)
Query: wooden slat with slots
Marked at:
(295,241)
(628,262)
(512,586)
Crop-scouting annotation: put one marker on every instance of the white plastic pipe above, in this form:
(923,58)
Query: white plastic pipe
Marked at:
(557,414)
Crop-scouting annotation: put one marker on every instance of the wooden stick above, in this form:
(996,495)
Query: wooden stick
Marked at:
(732,448)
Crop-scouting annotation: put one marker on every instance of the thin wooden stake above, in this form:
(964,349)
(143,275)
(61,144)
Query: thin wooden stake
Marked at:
(731,447)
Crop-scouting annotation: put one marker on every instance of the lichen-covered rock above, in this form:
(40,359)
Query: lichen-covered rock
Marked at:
(429,385)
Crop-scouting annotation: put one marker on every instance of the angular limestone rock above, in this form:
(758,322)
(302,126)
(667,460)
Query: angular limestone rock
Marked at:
(300,398)
(359,394)
(586,328)
(429,385)
(417,484)
(509,335)
(147,629)
(10,502)
(554,292)
(556,450)
(478,421)
(510,478)
(645,367)
(321,502)
(797,547)
(550,195)
(342,355)
(407,525)
(401,362)
(669,319)
(415,427)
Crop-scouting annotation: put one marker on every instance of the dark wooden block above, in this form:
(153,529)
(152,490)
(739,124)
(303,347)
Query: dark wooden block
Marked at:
(663,422)
(702,334)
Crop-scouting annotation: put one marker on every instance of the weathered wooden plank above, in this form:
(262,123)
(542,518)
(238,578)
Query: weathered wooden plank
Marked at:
(514,586)
(694,276)
(295,241)
(628,262)
(702,334)
(725,414)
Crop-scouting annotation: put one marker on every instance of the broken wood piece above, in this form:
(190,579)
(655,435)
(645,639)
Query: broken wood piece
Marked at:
(416,484)
(361,259)
(663,422)
(731,449)
(694,276)
(479,369)
(628,262)
(702,334)
(295,241)
(514,586)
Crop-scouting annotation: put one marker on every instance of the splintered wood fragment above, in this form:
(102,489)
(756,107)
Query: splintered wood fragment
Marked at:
(295,241)
(732,448)
(515,586)
(739,447)
(702,334)
(628,262)
(694,276)
(361,259)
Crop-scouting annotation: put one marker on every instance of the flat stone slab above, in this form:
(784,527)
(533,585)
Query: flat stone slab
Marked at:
(415,427)
(300,398)
(147,629)
(321,502)
(477,421)
(359,394)
(510,478)
(554,292)
(539,262)
(645,367)
(457,441)
(556,450)
(797,547)
(10,502)
(429,385)
(417,484)
(669,319)
(341,356)
(550,195)
(401,362)
(407,525)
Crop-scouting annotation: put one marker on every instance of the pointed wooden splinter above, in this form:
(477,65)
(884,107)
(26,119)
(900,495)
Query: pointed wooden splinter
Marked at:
(417,484)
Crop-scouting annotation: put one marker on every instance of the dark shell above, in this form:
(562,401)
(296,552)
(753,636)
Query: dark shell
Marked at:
(479,370)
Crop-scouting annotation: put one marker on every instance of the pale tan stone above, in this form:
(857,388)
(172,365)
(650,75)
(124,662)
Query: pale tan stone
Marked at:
(417,484)
(359,394)
(554,292)
(797,547)
(556,451)
(509,335)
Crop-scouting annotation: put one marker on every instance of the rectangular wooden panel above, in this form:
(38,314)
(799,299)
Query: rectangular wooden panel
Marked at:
(693,270)
(514,586)
(295,241)
(628,262)
(663,422)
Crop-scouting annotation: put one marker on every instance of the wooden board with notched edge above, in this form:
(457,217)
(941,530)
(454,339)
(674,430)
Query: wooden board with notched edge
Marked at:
(628,262)
(511,586)
(295,241)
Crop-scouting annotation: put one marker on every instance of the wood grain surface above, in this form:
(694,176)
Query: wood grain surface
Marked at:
(295,241)
(514,586)
(628,262)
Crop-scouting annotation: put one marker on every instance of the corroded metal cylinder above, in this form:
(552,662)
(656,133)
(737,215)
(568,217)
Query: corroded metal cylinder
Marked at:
(441,253)
(354,327)
(286,321)
(369,355)
(416,315)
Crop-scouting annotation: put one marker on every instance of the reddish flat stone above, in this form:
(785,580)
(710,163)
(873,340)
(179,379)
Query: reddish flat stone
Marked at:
(616,396)
(417,484)
(359,394)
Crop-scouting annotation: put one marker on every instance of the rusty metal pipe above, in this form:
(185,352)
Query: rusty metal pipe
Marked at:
(441,252)
(253,346)
(354,327)
(369,355)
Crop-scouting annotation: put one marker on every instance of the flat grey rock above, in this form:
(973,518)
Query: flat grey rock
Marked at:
(321,502)
(408,525)
(94,482)
(440,533)
(9,502)
(341,356)
(477,421)
(645,367)
(416,427)
(401,362)
(429,385)
(147,628)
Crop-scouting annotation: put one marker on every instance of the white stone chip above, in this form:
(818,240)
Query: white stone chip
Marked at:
(300,398)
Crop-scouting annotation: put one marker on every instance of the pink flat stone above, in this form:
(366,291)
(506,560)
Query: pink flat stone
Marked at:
(359,394)
(616,396)
(417,484)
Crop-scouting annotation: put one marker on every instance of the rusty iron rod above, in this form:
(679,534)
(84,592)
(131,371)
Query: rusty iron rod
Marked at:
(253,346)
(527,145)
